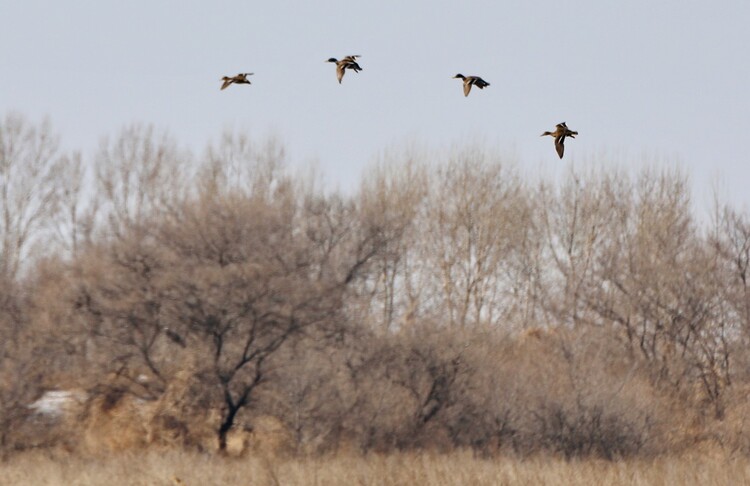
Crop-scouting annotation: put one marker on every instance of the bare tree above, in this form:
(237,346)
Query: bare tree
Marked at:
(237,164)
(31,178)
(251,281)
(577,220)
(392,196)
(230,273)
(76,222)
(654,278)
(731,243)
(475,220)
(138,172)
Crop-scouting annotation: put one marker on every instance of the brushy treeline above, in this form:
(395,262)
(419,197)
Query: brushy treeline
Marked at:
(198,301)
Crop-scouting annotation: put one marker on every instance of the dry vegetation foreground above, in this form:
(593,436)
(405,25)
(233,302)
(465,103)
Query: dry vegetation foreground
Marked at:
(190,469)
(153,299)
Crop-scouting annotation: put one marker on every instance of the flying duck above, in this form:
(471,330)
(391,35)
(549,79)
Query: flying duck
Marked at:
(471,80)
(239,79)
(349,62)
(561,131)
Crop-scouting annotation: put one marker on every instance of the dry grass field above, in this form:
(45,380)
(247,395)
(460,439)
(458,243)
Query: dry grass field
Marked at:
(190,469)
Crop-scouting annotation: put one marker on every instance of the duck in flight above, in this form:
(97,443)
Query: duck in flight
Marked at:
(470,81)
(239,79)
(561,131)
(349,62)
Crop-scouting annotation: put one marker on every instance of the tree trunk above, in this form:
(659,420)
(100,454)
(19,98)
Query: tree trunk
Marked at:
(226,426)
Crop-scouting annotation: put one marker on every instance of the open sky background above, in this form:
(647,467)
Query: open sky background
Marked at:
(643,81)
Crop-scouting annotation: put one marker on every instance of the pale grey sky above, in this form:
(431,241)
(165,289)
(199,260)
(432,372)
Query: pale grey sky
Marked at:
(669,79)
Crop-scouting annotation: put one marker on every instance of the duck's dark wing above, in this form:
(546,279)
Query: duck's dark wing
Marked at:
(560,145)
(481,83)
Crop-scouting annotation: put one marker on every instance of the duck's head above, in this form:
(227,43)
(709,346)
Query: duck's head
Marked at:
(332,59)
(459,76)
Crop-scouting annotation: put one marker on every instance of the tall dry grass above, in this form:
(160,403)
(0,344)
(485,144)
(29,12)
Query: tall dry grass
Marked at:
(191,469)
